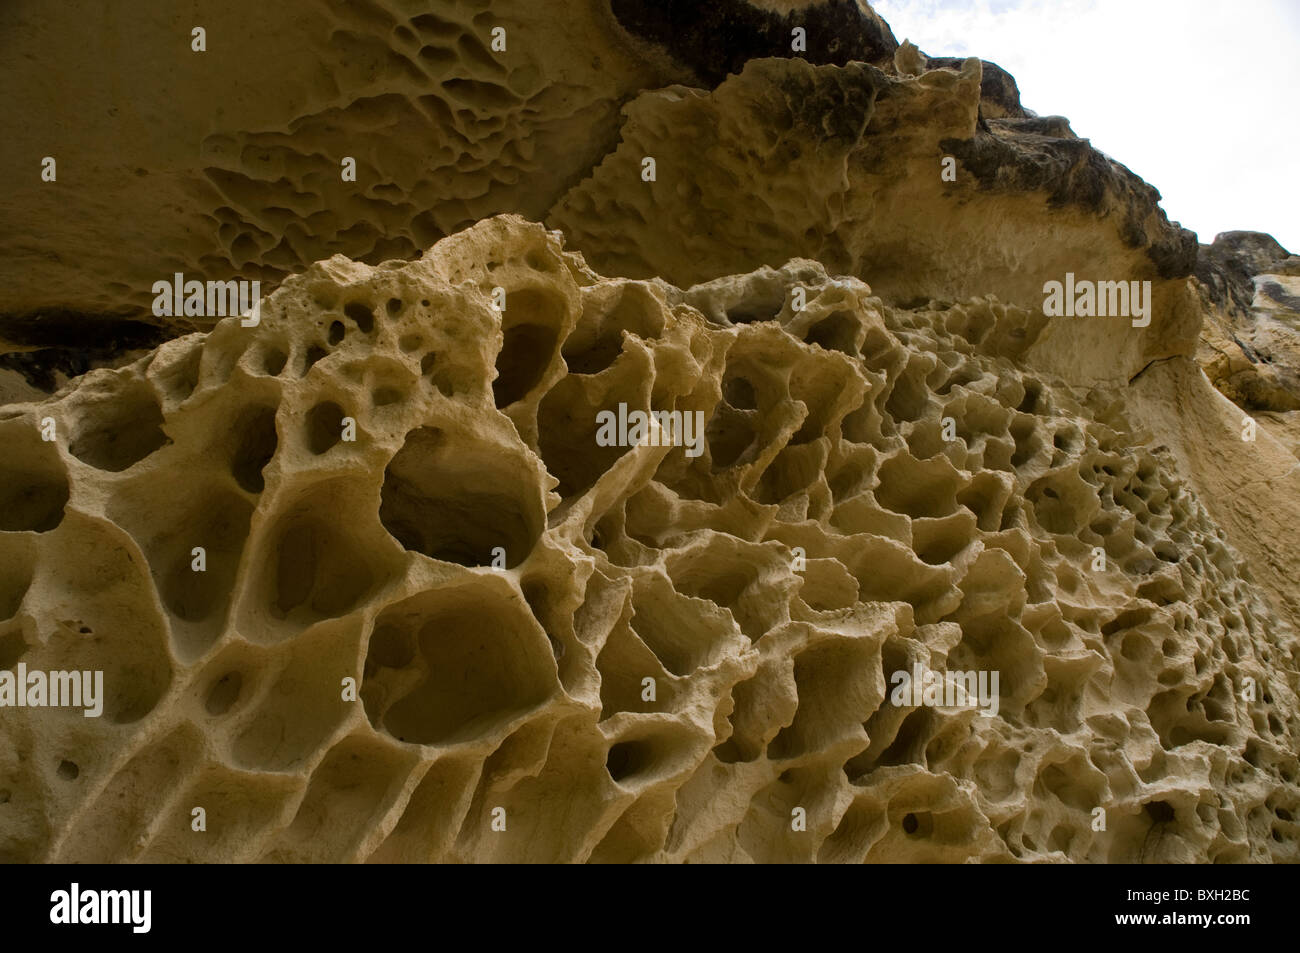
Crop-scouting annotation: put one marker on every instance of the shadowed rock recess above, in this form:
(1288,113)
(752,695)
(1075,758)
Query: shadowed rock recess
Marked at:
(441,617)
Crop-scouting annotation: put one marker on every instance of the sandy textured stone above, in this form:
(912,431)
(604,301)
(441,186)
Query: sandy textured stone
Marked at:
(227,162)
(843,165)
(522,687)
(902,460)
(1250,343)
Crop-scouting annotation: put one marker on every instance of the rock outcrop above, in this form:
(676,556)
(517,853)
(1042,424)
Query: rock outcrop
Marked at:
(844,165)
(659,651)
(1250,345)
(738,496)
(229,162)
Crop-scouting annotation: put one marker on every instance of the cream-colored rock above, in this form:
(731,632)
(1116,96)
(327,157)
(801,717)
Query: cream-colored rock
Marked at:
(875,489)
(1249,287)
(908,60)
(1247,477)
(846,166)
(226,155)
(1284,428)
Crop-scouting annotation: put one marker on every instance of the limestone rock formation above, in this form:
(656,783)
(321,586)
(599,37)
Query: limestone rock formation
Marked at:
(228,162)
(736,496)
(1250,345)
(843,165)
(644,652)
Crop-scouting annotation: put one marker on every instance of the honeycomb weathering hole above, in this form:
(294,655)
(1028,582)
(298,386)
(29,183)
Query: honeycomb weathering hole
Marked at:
(313,572)
(835,332)
(523,360)
(220,522)
(31,501)
(316,566)
(447,666)
(531,326)
(119,429)
(12,648)
(255,441)
(451,500)
(324,426)
(598,340)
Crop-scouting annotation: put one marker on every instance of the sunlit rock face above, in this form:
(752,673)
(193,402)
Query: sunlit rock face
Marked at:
(754,503)
(683,644)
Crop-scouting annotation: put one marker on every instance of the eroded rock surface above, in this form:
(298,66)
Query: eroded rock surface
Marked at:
(1250,347)
(229,162)
(844,166)
(825,536)
(368,580)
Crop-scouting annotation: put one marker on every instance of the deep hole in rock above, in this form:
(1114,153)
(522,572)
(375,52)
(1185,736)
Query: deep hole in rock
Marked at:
(739,393)
(313,354)
(566,424)
(32,501)
(317,574)
(835,332)
(755,312)
(219,524)
(273,361)
(918,489)
(918,824)
(361,315)
(786,475)
(912,734)
(255,443)
(591,356)
(909,398)
(627,758)
(597,342)
(324,426)
(475,664)
(120,431)
(1160,812)
(12,648)
(450,501)
(391,646)
(523,360)
(731,436)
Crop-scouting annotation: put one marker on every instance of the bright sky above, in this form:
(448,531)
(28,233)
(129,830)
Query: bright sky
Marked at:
(1198,97)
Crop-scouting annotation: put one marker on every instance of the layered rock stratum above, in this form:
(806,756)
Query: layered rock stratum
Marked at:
(371,576)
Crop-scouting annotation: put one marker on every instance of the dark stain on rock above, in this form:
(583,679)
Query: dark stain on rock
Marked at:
(833,105)
(1031,155)
(716,38)
(1228,266)
(999,94)
(72,343)
(1276,292)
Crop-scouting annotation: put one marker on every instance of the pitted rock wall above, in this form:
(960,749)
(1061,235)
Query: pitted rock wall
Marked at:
(500,586)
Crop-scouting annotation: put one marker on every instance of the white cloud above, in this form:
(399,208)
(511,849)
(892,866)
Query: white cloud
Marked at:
(1196,96)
